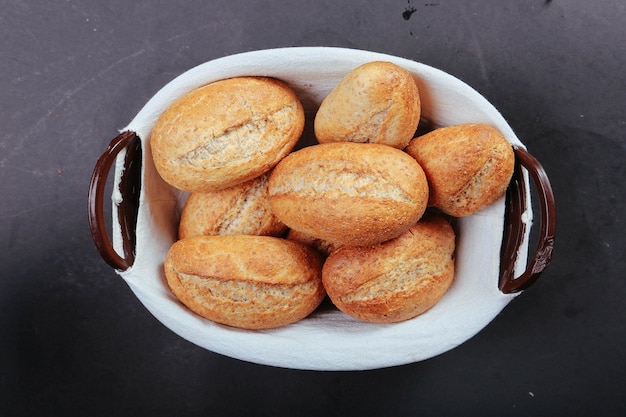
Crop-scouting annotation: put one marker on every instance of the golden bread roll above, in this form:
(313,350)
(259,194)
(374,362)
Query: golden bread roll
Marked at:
(243,209)
(395,280)
(322,246)
(377,102)
(349,193)
(249,282)
(225,133)
(468,166)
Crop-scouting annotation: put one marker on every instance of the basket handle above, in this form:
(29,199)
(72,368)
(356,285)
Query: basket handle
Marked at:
(515,228)
(129,187)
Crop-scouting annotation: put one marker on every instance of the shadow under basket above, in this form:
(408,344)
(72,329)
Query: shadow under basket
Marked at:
(492,262)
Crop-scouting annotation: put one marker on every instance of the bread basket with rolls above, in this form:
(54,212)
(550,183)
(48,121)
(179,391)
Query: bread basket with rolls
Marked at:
(343,241)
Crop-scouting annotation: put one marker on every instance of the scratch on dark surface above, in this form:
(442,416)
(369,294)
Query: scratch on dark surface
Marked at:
(100,74)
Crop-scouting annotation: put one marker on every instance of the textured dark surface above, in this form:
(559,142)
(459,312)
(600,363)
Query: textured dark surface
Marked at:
(75,341)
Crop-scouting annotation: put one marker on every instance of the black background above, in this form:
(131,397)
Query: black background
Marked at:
(75,341)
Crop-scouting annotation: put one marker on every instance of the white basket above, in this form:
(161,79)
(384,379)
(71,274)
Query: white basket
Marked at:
(328,339)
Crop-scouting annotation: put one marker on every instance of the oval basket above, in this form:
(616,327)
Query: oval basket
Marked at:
(492,262)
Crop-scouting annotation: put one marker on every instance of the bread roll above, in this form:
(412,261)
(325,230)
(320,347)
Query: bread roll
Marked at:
(348,193)
(243,209)
(377,102)
(468,166)
(250,282)
(396,280)
(225,133)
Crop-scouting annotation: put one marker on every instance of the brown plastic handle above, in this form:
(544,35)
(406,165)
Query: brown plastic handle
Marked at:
(129,187)
(515,228)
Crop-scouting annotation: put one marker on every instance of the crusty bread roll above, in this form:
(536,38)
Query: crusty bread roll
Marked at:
(395,280)
(249,282)
(468,166)
(225,133)
(243,209)
(349,193)
(377,102)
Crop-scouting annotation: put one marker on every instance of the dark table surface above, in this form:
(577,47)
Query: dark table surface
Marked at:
(75,341)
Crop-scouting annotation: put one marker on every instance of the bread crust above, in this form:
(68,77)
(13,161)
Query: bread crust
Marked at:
(395,280)
(241,209)
(468,166)
(226,132)
(249,282)
(377,102)
(349,193)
